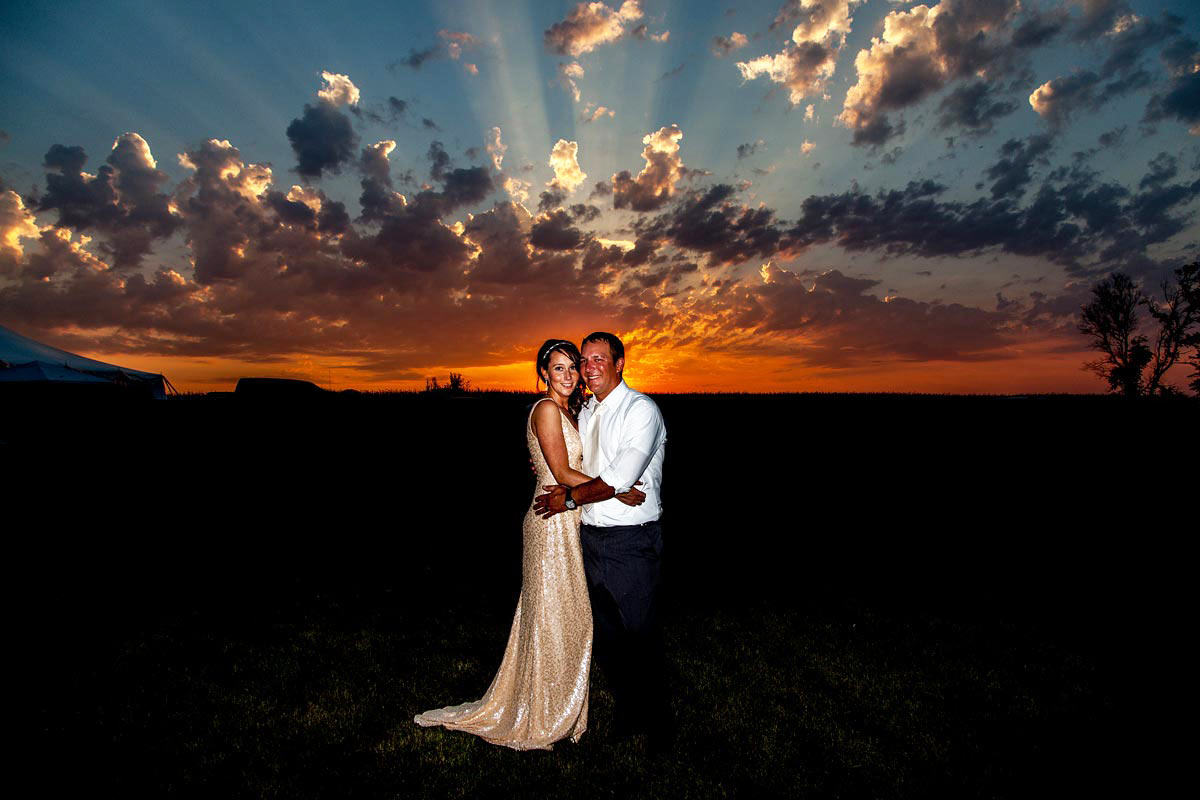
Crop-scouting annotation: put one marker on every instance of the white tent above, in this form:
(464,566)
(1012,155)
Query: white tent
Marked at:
(25,361)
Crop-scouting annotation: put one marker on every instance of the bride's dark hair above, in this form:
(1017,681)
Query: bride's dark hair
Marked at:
(568,349)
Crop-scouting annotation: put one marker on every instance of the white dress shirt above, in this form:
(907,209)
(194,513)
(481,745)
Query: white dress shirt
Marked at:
(632,441)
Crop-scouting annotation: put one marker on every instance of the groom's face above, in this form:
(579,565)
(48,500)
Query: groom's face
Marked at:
(599,370)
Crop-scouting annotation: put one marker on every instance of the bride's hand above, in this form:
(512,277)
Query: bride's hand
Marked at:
(634,497)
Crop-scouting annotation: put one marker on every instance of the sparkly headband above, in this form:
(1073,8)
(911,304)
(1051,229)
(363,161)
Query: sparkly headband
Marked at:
(557,344)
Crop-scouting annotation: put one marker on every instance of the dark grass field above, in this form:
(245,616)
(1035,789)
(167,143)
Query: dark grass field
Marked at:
(866,596)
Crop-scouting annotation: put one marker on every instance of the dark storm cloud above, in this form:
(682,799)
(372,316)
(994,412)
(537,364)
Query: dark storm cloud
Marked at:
(123,201)
(1058,100)
(711,222)
(67,160)
(921,53)
(1133,40)
(645,251)
(911,221)
(551,199)
(323,139)
(373,161)
(1040,27)
(429,124)
(463,187)
(1013,171)
(1113,138)
(1101,207)
(291,212)
(1161,169)
(280,273)
(843,324)
(877,132)
(1098,18)
(439,160)
(555,231)
(1181,100)
(973,106)
(585,213)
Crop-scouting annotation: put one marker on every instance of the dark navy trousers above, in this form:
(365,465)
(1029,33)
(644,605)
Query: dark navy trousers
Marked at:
(624,571)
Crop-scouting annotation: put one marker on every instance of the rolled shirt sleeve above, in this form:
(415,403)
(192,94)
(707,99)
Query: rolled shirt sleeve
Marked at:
(642,433)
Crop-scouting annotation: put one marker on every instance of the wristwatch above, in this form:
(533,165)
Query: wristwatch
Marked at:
(570,501)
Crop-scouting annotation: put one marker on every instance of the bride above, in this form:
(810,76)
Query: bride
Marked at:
(540,693)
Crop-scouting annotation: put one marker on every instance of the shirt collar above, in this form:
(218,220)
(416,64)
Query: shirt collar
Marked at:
(614,397)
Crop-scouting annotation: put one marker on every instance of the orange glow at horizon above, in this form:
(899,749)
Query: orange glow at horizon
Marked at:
(665,369)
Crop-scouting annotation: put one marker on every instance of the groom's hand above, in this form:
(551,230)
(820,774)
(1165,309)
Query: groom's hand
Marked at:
(554,501)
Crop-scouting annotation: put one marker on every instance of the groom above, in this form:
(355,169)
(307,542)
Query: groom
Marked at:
(623,442)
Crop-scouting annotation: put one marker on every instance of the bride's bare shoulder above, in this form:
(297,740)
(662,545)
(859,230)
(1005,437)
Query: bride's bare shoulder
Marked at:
(543,412)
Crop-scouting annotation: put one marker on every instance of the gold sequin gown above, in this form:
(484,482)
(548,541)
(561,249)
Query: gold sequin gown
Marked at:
(540,693)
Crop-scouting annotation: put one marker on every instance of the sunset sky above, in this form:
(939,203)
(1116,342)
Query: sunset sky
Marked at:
(770,196)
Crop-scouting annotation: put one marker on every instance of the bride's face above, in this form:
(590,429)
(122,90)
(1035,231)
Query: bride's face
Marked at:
(561,375)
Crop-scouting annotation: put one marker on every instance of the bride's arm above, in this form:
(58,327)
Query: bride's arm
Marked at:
(547,426)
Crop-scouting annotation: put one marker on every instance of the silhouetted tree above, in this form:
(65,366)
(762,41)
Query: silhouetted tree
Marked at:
(1189,281)
(1111,322)
(456,385)
(1176,316)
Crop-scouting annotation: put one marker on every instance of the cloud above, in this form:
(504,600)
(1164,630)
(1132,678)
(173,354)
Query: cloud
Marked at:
(564,160)
(555,230)
(671,73)
(973,106)
(451,44)
(842,324)
(338,90)
(1057,100)
(567,75)
(1181,100)
(517,189)
(271,273)
(1012,172)
(1040,27)
(592,114)
(748,149)
(16,223)
(456,42)
(123,201)
(655,184)
(590,25)
(712,222)
(920,51)
(496,148)
(374,160)
(809,60)
(724,45)
(323,140)
(1099,17)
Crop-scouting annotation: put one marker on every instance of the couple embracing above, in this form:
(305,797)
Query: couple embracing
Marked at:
(592,551)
